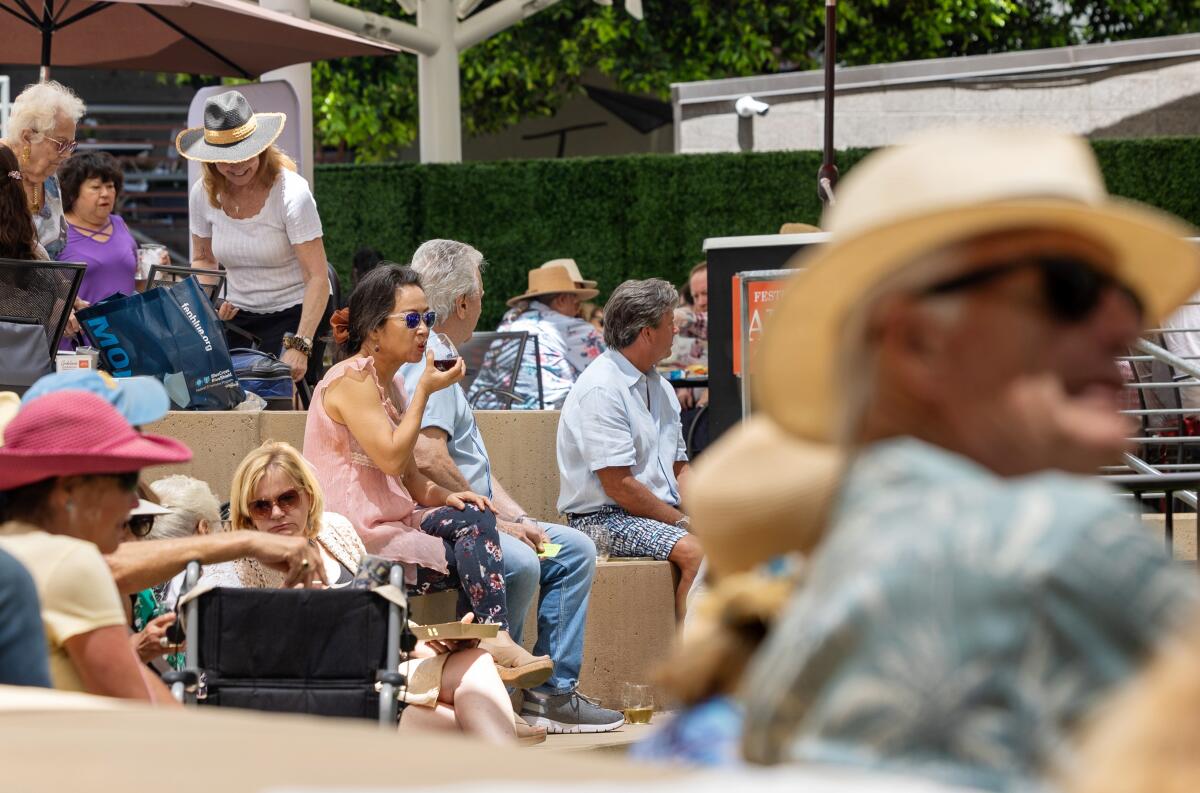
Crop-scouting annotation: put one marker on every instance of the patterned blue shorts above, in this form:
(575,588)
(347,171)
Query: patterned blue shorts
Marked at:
(630,535)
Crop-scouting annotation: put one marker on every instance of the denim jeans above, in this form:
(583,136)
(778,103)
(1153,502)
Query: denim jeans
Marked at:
(566,585)
(23,660)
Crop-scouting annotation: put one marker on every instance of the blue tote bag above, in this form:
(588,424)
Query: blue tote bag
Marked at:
(172,333)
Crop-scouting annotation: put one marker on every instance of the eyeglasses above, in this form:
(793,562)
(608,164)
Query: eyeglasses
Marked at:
(140,525)
(413,318)
(64,146)
(1072,287)
(261,508)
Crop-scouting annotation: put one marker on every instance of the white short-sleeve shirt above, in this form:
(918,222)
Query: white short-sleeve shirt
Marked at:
(264,274)
(617,416)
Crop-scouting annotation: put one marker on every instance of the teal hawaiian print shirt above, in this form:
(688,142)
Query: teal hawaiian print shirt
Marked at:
(958,625)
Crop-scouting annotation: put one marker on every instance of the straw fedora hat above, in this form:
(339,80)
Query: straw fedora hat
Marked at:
(232,131)
(940,188)
(573,269)
(552,281)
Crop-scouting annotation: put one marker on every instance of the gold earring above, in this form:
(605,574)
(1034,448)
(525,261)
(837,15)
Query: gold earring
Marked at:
(25,154)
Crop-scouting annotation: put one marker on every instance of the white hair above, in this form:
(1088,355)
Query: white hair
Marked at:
(190,500)
(448,271)
(38,108)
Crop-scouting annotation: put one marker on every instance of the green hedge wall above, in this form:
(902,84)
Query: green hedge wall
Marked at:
(636,216)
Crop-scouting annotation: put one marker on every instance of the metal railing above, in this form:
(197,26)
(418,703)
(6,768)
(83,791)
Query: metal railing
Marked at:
(1163,473)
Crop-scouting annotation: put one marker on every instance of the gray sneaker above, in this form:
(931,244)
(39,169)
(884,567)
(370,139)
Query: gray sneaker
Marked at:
(568,713)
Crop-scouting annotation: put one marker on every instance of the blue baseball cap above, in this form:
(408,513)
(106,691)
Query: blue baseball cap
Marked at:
(141,400)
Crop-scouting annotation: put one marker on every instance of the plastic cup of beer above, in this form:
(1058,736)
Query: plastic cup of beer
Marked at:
(603,541)
(637,700)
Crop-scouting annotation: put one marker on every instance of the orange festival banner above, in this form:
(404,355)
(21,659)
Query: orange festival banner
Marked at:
(761,298)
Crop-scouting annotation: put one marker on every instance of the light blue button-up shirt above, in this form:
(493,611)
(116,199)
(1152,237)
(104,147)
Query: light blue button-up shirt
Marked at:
(449,411)
(616,416)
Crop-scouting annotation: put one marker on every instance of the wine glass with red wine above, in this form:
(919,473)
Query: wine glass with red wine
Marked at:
(445,354)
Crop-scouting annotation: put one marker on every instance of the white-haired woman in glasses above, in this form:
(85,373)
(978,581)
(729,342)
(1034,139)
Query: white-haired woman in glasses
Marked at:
(41,132)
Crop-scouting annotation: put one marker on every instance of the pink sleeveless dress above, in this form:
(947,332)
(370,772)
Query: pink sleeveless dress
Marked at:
(377,504)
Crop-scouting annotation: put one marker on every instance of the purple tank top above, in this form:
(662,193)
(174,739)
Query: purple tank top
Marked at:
(111,265)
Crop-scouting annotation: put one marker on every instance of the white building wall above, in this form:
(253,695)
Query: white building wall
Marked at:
(1135,100)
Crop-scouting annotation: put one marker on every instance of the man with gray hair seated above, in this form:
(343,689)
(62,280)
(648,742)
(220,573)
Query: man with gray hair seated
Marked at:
(451,452)
(621,454)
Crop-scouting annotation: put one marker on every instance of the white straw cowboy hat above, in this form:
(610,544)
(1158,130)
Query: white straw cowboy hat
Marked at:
(766,488)
(232,131)
(941,188)
(552,281)
(573,269)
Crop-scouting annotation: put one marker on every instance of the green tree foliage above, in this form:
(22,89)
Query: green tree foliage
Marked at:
(369,105)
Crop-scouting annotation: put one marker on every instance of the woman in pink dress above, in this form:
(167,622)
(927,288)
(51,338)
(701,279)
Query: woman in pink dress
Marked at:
(360,436)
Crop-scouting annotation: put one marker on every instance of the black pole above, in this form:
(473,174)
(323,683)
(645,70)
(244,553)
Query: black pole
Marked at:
(47,38)
(827,176)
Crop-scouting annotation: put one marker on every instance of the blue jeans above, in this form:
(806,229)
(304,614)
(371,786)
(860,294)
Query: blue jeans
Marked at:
(566,585)
(23,658)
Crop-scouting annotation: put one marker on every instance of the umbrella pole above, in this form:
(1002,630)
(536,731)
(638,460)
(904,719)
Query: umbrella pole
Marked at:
(827,176)
(47,38)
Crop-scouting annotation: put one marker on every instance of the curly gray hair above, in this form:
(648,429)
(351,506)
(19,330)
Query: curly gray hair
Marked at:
(448,271)
(634,306)
(38,107)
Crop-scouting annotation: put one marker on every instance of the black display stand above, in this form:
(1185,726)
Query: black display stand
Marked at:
(728,256)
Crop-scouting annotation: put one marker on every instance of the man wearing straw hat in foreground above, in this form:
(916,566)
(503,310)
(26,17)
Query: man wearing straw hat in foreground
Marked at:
(942,376)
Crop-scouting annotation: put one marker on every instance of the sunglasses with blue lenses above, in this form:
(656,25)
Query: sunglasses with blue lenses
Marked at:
(412,319)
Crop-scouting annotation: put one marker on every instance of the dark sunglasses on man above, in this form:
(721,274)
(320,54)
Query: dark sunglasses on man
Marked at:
(1072,287)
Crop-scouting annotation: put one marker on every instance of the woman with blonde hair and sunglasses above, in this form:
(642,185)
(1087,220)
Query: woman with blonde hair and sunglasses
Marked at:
(452,685)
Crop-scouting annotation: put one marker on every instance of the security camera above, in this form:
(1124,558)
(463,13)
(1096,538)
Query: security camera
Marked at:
(748,106)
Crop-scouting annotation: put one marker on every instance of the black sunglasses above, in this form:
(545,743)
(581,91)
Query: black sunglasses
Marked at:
(1072,287)
(140,525)
(413,318)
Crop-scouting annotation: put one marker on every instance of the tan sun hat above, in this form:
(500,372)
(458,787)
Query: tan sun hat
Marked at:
(552,281)
(758,493)
(944,187)
(573,269)
(10,403)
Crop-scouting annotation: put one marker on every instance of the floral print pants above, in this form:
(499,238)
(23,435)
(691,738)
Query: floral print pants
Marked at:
(475,560)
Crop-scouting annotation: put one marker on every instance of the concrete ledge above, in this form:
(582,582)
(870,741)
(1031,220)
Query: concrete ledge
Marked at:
(520,444)
(1184,543)
(630,625)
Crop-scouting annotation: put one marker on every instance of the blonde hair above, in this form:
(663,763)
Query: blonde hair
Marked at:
(271,161)
(285,458)
(38,107)
(729,624)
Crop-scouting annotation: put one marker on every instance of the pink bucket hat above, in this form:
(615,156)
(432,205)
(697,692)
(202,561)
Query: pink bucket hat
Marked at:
(71,433)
